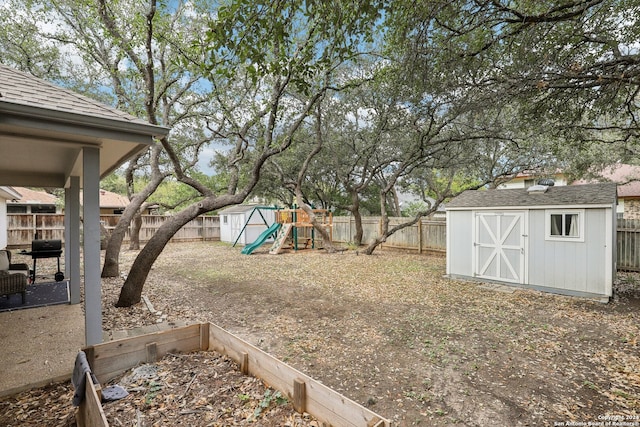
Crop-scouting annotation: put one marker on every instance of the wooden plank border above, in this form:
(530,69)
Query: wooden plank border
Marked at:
(324,403)
(90,413)
(110,359)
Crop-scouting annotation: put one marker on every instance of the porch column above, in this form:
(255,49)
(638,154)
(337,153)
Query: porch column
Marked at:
(91,246)
(72,237)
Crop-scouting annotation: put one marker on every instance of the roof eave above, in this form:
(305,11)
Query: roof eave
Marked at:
(9,193)
(525,207)
(121,125)
(138,149)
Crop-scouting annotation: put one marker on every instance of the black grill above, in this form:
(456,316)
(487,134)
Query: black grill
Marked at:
(46,248)
(41,248)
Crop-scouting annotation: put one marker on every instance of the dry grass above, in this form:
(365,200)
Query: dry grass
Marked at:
(391,333)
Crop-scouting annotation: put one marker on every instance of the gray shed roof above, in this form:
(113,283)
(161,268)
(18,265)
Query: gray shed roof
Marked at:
(569,195)
(238,209)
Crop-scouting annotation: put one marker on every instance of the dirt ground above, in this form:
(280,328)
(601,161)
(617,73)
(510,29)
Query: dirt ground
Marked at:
(390,332)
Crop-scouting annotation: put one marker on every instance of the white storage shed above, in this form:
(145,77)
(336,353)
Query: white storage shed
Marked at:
(555,239)
(242,224)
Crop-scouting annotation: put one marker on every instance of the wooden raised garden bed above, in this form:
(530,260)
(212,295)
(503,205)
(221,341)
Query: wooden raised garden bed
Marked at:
(111,359)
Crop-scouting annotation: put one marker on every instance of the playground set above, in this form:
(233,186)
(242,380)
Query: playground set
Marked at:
(291,230)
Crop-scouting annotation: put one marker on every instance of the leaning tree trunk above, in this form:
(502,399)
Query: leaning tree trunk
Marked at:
(382,236)
(385,232)
(384,226)
(355,211)
(131,291)
(134,238)
(111,267)
(326,238)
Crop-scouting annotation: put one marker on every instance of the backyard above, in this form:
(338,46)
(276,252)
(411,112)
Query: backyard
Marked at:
(390,332)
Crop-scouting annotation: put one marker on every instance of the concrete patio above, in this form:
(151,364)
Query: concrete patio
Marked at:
(39,346)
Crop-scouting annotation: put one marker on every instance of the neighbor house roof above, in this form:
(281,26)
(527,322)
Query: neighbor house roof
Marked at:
(112,200)
(36,197)
(572,195)
(33,197)
(109,199)
(626,176)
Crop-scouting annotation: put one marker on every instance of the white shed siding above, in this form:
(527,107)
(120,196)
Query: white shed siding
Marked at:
(256,225)
(232,224)
(460,231)
(225,228)
(235,223)
(505,236)
(571,266)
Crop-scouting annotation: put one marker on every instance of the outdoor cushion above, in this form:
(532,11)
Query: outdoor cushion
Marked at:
(4,260)
(6,264)
(15,283)
(78,377)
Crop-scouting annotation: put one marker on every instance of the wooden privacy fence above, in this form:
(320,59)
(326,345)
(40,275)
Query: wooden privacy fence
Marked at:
(427,235)
(22,228)
(628,244)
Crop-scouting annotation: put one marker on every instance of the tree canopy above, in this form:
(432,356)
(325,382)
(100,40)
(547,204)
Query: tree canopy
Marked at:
(571,67)
(341,104)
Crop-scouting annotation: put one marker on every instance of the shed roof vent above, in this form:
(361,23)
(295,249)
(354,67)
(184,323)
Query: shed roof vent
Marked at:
(537,189)
(549,182)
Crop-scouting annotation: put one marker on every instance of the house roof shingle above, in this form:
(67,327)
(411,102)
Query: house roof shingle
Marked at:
(626,176)
(24,89)
(33,197)
(46,129)
(112,200)
(571,195)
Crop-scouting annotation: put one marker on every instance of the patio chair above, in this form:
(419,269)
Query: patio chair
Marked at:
(12,282)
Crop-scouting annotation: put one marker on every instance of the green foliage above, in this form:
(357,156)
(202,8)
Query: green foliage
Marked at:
(114,182)
(565,67)
(268,399)
(22,44)
(414,207)
(297,39)
(154,389)
(172,196)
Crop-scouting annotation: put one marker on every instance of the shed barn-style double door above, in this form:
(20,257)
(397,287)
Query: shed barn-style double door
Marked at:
(499,246)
